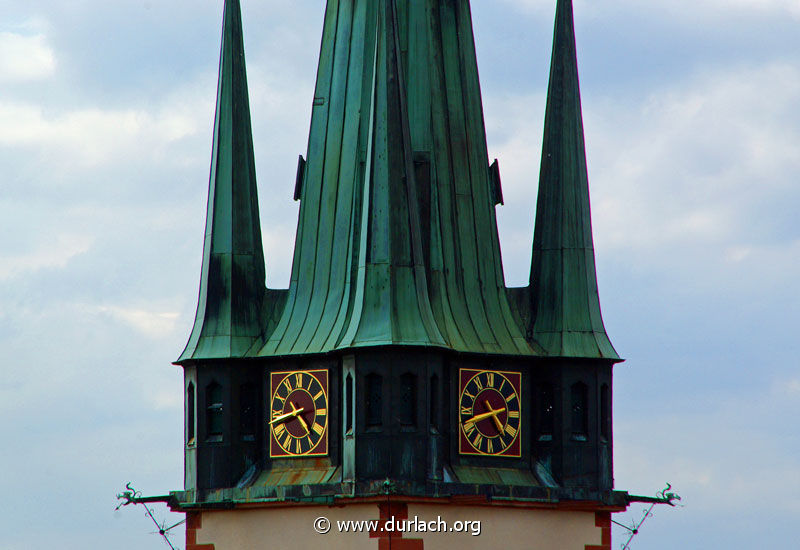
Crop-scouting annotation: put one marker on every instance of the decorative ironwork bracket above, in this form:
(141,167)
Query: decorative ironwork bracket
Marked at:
(662,497)
(134,497)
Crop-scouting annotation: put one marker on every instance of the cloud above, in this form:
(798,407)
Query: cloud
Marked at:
(514,134)
(727,7)
(788,388)
(707,162)
(713,151)
(685,10)
(92,136)
(25,58)
(153,324)
(54,253)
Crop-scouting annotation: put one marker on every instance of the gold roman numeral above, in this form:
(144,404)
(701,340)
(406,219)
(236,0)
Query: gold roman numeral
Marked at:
(490,379)
(478,383)
(320,394)
(469,429)
(287,439)
(318,428)
(298,378)
(510,430)
(287,383)
(279,429)
(478,441)
(322,412)
(489,446)
(511,398)
(513,414)
(298,446)
(466,411)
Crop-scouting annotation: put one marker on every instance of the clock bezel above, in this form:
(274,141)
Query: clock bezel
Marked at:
(322,447)
(465,446)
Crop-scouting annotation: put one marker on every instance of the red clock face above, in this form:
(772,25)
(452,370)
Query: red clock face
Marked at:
(298,422)
(489,413)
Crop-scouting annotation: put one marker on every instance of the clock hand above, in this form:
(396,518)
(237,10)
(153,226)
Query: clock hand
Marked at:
(496,420)
(484,416)
(281,418)
(300,418)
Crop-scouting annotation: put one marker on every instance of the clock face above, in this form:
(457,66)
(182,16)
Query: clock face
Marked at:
(299,414)
(489,413)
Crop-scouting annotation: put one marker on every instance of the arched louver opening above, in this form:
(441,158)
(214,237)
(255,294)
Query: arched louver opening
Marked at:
(214,420)
(546,410)
(579,405)
(433,402)
(374,401)
(605,412)
(248,413)
(407,409)
(190,414)
(348,408)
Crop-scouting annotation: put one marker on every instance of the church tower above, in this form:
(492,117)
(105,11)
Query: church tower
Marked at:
(397,378)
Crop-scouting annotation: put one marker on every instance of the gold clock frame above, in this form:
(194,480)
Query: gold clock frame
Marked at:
(466,446)
(322,445)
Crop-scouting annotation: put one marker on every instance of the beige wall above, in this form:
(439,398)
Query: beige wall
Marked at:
(510,528)
(507,528)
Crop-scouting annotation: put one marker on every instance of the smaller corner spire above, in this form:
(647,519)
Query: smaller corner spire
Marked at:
(566,319)
(231,303)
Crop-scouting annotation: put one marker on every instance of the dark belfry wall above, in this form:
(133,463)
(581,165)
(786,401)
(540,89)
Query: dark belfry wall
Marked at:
(225,445)
(404,431)
(394,435)
(567,419)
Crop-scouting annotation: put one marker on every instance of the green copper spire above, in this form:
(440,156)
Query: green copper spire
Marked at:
(358,275)
(566,307)
(397,239)
(232,286)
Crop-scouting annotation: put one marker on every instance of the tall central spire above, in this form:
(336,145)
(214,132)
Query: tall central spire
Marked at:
(397,240)
(566,318)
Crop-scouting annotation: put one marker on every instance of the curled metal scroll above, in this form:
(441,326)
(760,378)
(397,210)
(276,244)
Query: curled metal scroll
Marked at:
(664,496)
(134,497)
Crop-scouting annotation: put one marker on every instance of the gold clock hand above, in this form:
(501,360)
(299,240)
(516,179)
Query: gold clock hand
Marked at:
(497,422)
(281,418)
(484,416)
(300,418)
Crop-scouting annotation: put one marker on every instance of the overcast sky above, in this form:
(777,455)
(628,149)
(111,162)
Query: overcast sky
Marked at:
(692,115)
